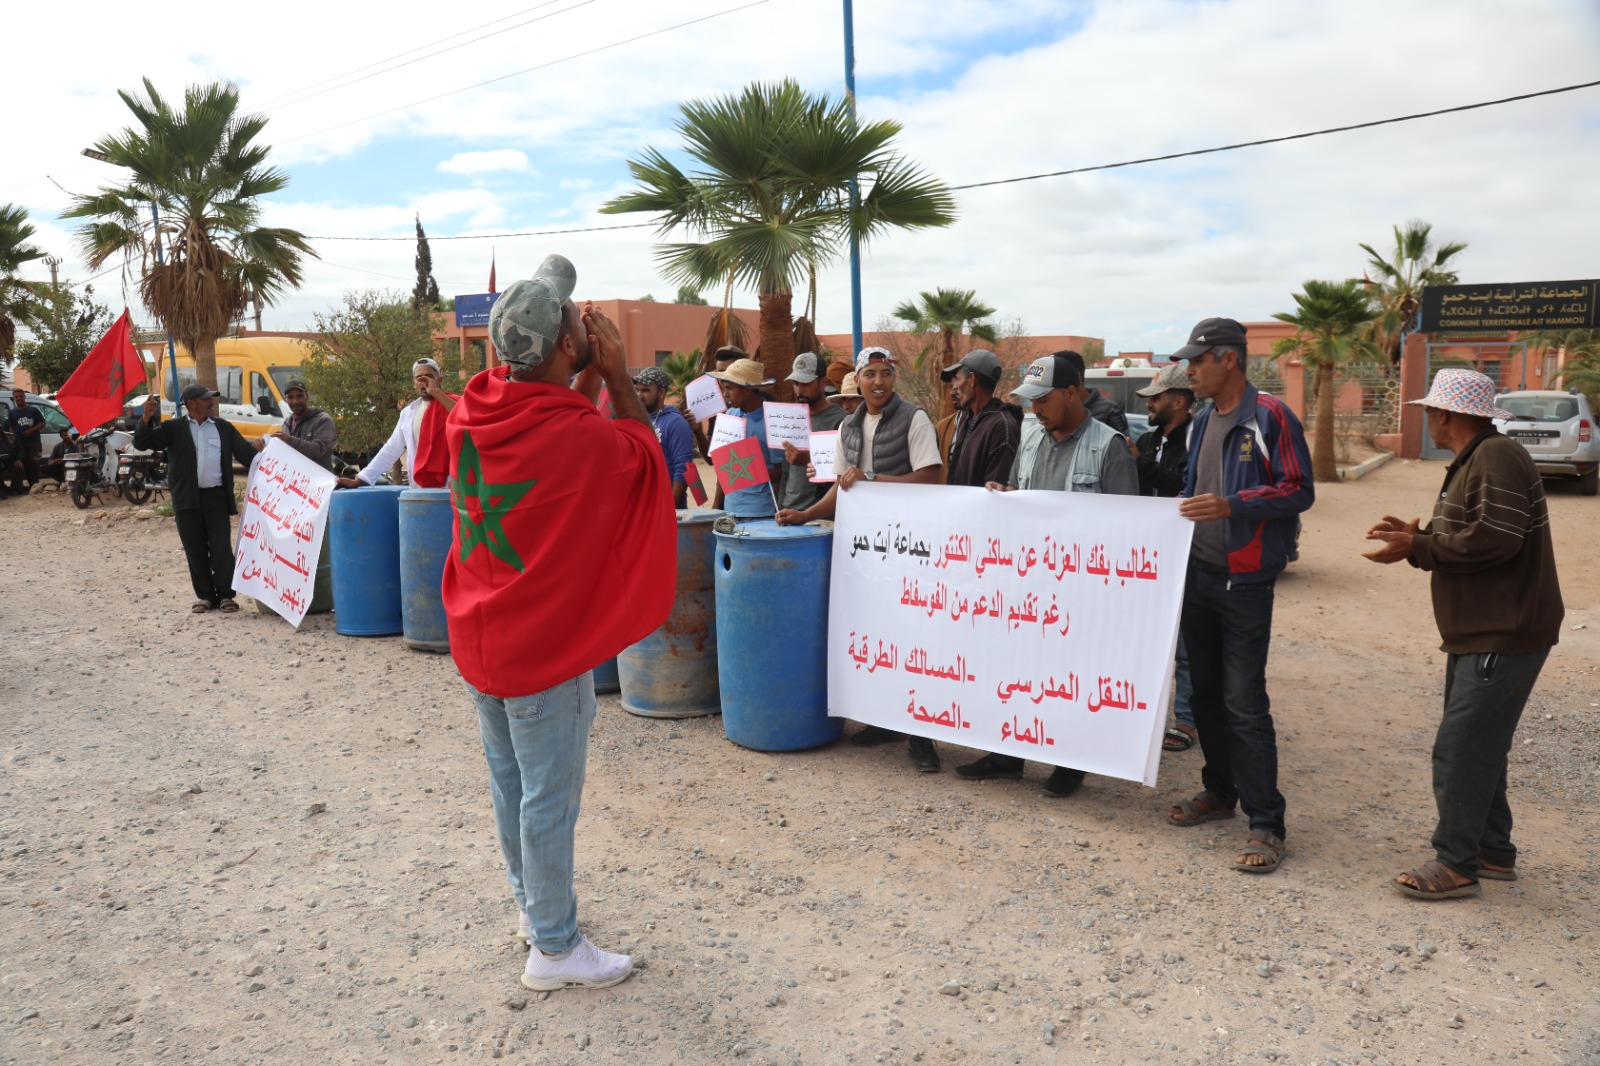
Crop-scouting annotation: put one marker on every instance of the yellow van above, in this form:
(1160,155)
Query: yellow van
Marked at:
(251,372)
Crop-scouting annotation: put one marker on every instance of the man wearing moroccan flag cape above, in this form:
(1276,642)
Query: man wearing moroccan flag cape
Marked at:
(565,552)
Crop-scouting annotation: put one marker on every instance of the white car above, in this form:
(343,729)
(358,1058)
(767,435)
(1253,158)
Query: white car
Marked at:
(1558,429)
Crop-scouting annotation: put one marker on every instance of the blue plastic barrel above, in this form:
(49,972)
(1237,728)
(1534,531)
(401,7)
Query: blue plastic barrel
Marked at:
(427,522)
(672,673)
(606,681)
(772,635)
(364,536)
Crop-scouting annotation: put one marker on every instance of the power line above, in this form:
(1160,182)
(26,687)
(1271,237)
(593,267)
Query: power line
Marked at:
(1062,173)
(430,55)
(1279,140)
(527,70)
(402,55)
(488,236)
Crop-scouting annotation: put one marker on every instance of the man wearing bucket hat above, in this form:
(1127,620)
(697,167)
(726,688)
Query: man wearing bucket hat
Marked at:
(1163,461)
(798,491)
(889,441)
(564,553)
(1070,452)
(672,429)
(1497,602)
(741,384)
(418,434)
(1248,480)
(308,430)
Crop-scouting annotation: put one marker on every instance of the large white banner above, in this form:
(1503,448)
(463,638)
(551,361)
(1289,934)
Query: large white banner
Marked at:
(281,530)
(1038,624)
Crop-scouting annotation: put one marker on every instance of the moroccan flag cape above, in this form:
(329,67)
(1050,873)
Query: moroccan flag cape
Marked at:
(112,369)
(566,542)
(431,465)
(740,465)
(691,479)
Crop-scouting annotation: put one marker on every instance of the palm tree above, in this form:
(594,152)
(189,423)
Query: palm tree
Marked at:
(1397,282)
(1333,327)
(199,168)
(681,368)
(1580,367)
(16,296)
(947,312)
(769,197)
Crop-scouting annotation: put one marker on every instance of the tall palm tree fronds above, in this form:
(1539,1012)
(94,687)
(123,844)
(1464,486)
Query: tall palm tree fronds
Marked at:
(723,329)
(1397,282)
(946,312)
(767,196)
(208,256)
(1332,321)
(17,297)
(681,368)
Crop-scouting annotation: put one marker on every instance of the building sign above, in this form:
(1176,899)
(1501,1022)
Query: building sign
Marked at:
(1526,305)
(473,310)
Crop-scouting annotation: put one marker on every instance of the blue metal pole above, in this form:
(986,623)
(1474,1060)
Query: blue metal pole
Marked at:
(855,192)
(172,355)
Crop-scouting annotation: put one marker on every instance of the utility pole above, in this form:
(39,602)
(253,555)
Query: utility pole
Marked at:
(54,263)
(855,191)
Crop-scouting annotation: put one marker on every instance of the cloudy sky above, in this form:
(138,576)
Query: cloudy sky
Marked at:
(367,120)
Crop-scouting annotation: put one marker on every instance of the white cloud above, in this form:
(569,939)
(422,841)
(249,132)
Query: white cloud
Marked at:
(497,159)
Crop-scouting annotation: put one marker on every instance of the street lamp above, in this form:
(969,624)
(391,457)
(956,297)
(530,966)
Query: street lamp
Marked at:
(155,218)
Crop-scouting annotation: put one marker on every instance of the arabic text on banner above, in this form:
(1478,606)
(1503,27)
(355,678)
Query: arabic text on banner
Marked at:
(1038,624)
(281,529)
(730,428)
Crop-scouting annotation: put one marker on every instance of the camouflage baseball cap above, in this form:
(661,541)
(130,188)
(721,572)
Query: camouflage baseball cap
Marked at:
(526,320)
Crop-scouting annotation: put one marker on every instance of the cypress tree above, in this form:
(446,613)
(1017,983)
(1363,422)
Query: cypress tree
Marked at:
(425,296)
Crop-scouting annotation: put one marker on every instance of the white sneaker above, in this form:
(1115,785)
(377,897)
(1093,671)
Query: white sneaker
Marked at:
(524,931)
(585,965)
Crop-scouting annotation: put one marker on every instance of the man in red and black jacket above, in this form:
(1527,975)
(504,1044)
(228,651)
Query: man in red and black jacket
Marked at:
(1249,478)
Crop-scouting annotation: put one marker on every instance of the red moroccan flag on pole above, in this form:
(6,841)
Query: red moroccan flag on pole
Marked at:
(112,369)
(740,465)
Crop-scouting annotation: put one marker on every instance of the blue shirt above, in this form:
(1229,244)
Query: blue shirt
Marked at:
(756,502)
(677,440)
(207,453)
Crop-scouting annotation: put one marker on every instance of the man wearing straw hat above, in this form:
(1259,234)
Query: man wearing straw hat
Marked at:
(741,384)
(1498,606)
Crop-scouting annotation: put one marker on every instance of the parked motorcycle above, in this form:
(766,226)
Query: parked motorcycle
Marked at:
(86,470)
(141,475)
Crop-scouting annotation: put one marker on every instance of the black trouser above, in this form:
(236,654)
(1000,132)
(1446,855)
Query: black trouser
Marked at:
(30,464)
(11,473)
(1483,699)
(208,545)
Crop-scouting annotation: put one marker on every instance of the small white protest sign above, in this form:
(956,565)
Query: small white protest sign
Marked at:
(730,428)
(789,422)
(703,397)
(823,446)
(281,530)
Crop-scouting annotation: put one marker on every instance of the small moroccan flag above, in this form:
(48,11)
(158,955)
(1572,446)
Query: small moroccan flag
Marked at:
(740,465)
(691,478)
(112,369)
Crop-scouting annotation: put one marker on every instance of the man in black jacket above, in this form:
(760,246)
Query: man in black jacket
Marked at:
(985,441)
(1163,461)
(1101,407)
(201,451)
(308,430)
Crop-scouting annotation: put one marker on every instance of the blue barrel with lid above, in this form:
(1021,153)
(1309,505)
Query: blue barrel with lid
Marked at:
(672,673)
(427,525)
(772,634)
(364,545)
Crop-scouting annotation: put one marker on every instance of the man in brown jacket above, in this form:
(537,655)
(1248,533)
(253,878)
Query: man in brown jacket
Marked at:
(1498,606)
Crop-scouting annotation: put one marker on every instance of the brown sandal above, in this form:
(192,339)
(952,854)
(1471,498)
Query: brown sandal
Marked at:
(1490,871)
(229,607)
(1434,880)
(200,607)
(1268,846)
(1179,737)
(1205,807)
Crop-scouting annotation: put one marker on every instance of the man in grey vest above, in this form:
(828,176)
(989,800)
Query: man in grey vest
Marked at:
(886,440)
(1069,452)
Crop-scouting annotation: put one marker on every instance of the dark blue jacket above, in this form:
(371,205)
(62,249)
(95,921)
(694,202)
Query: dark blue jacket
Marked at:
(1266,476)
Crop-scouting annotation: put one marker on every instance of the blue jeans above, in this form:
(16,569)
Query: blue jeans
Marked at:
(1227,629)
(1182,687)
(537,747)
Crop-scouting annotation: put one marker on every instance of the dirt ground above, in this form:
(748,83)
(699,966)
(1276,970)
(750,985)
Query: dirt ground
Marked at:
(224,841)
